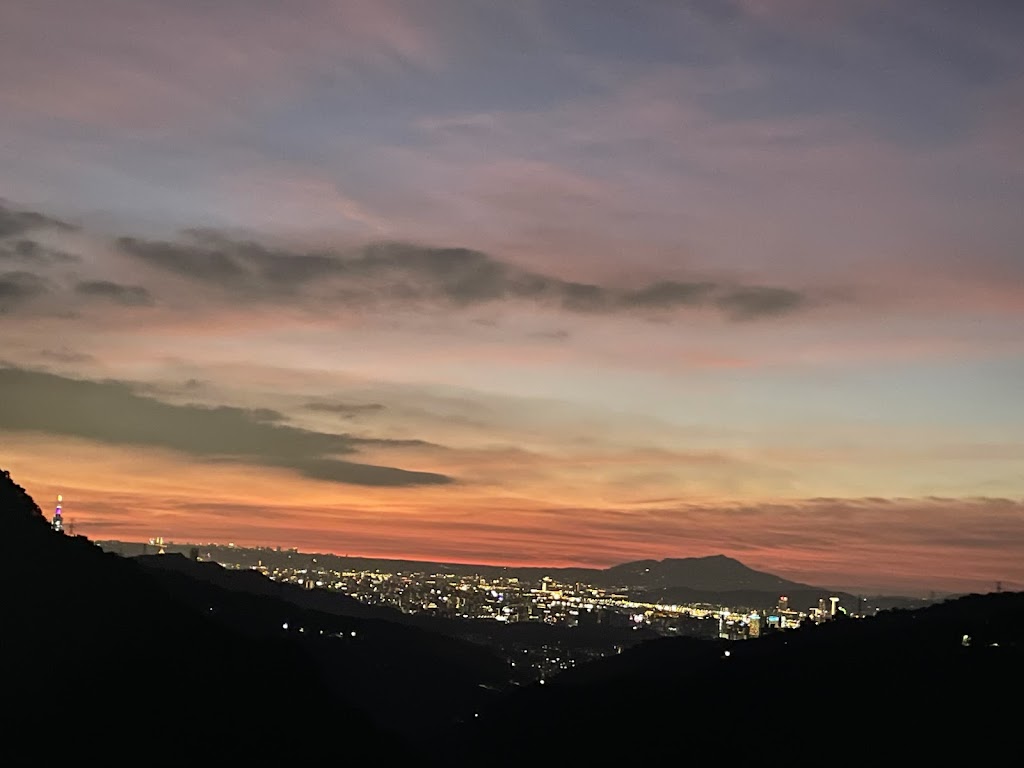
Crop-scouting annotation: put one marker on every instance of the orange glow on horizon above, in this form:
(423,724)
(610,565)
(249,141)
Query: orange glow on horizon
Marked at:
(818,542)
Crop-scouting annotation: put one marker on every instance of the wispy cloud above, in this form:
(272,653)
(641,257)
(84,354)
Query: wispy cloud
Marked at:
(346,410)
(33,253)
(81,70)
(752,302)
(127,295)
(66,356)
(403,273)
(19,287)
(111,412)
(729,250)
(14,222)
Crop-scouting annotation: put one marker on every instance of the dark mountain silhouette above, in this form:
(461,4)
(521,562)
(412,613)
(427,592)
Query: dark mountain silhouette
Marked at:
(254,583)
(360,653)
(98,649)
(168,660)
(903,685)
(95,653)
(505,640)
(716,573)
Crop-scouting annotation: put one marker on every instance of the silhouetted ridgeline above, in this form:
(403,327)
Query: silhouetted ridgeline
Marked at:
(711,574)
(100,658)
(502,639)
(905,684)
(715,579)
(376,663)
(163,660)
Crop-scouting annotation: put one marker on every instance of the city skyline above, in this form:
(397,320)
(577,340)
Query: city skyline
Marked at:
(551,284)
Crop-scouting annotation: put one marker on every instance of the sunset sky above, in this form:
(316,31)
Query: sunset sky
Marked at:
(566,282)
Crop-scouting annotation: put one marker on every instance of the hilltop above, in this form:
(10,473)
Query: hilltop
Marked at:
(909,685)
(95,650)
(189,661)
(100,647)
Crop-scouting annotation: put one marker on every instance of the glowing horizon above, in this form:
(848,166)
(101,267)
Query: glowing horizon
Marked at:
(526,283)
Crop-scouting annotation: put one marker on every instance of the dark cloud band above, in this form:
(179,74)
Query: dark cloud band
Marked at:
(378,275)
(348,410)
(403,272)
(127,295)
(19,286)
(14,223)
(114,413)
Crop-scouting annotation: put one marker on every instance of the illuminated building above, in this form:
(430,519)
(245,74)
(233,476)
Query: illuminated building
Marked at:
(58,520)
(835,602)
(754,629)
(789,619)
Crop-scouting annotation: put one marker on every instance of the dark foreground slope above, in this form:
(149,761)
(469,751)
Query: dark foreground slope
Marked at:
(410,680)
(102,656)
(900,684)
(96,659)
(443,662)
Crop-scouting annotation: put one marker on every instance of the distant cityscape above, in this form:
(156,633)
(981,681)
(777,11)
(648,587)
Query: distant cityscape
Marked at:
(458,593)
(541,622)
(611,618)
(423,646)
(450,594)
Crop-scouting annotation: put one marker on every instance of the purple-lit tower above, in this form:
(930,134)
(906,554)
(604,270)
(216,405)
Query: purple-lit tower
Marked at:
(58,520)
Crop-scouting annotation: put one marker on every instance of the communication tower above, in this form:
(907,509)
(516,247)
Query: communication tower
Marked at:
(58,520)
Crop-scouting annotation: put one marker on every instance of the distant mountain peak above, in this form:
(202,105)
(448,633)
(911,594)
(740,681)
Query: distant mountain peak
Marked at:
(719,558)
(719,573)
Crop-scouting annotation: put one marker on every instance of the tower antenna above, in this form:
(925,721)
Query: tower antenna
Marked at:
(58,521)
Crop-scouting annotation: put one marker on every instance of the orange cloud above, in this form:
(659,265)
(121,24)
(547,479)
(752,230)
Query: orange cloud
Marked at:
(882,544)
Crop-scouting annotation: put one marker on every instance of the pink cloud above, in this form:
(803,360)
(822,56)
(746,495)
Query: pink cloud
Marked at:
(152,69)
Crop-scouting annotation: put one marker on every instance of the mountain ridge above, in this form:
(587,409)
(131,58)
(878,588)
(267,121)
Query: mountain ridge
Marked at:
(181,663)
(194,670)
(708,573)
